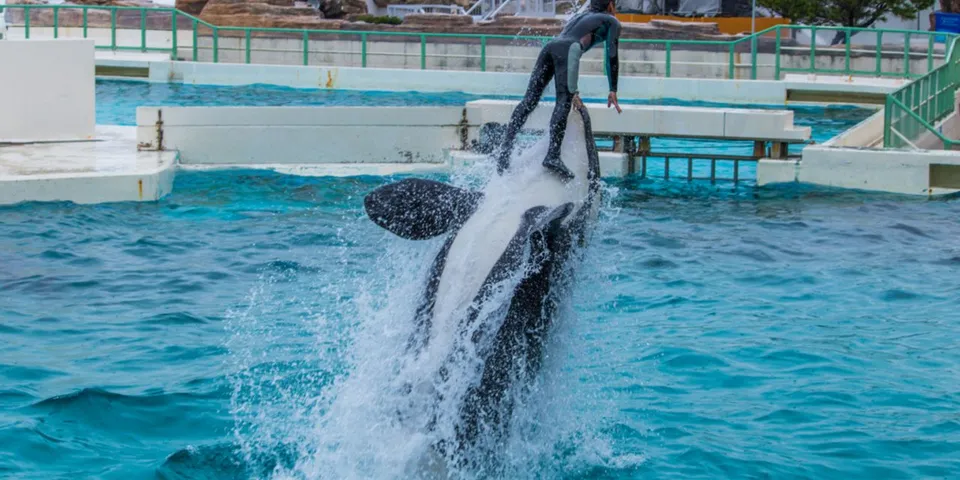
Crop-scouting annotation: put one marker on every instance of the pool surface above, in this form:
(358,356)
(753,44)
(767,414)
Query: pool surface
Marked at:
(717,332)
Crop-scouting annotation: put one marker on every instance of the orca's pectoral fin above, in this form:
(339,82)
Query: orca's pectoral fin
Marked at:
(418,209)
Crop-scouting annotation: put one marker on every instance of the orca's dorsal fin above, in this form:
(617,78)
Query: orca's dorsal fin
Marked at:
(418,209)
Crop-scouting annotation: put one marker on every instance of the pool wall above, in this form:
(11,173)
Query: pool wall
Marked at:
(36,103)
(768,92)
(411,135)
(856,159)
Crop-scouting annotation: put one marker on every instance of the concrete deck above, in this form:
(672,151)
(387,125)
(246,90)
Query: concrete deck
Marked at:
(333,169)
(106,169)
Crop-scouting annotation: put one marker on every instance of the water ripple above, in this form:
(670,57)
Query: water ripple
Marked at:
(718,332)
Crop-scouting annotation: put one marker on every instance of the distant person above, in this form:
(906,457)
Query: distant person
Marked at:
(560,59)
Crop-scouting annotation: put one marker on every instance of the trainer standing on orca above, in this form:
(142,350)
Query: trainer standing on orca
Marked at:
(560,59)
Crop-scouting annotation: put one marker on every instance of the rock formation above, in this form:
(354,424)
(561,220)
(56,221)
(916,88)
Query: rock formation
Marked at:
(193,7)
(462,3)
(263,13)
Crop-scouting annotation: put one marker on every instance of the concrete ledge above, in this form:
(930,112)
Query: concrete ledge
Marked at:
(302,135)
(106,170)
(47,90)
(612,165)
(868,133)
(771,172)
(334,169)
(653,120)
(478,83)
(845,89)
(894,171)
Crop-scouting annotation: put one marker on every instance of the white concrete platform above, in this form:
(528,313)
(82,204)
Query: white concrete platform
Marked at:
(856,159)
(661,121)
(128,59)
(106,169)
(843,83)
(333,169)
(909,172)
(302,135)
(47,90)
(612,164)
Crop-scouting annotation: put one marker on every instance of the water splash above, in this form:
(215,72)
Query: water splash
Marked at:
(368,407)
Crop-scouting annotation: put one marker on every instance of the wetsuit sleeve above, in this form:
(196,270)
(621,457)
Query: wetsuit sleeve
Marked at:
(613,60)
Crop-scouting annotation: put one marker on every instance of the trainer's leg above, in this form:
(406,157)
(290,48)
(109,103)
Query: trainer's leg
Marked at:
(542,72)
(558,127)
(565,61)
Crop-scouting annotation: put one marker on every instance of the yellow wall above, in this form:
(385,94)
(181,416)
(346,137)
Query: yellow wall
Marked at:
(727,25)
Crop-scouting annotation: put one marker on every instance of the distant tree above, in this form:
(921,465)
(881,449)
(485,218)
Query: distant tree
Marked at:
(848,13)
(798,11)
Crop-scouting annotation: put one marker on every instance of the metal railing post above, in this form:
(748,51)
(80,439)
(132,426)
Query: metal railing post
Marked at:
(483,53)
(813,49)
(776,65)
(906,55)
(732,67)
(879,70)
(306,48)
(246,45)
(668,59)
(113,28)
(363,50)
(423,52)
(846,55)
(173,28)
(194,39)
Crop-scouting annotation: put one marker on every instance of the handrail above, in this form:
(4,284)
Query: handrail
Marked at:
(917,106)
(732,47)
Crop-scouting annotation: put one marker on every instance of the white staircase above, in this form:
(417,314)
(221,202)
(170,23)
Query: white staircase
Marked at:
(487,10)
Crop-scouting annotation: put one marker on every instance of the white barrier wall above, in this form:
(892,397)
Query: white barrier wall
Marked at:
(868,133)
(896,171)
(478,83)
(47,90)
(410,135)
(642,120)
(302,135)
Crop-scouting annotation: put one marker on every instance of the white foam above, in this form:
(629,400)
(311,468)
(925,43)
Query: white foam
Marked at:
(352,429)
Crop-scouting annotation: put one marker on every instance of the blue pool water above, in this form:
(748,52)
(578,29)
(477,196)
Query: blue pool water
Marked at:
(717,333)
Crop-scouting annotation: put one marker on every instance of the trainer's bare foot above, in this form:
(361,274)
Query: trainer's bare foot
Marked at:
(556,166)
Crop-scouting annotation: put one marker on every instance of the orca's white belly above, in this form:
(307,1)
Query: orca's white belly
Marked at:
(482,240)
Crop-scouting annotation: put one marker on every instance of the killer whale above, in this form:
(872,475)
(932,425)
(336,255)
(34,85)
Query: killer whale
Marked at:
(523,230)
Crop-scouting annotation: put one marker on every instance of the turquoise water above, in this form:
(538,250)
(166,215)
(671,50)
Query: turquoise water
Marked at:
(718,332)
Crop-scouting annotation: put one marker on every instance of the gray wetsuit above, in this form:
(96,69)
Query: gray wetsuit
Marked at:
(560,59)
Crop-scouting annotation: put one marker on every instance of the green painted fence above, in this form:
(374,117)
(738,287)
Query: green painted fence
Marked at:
(912,111)
(743,55)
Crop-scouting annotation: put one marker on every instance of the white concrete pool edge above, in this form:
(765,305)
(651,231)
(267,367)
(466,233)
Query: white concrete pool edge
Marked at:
(856,159)
(140,163)
(709,90)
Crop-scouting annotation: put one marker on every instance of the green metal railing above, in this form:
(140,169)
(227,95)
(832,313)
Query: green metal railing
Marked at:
(197,40)
(912,111)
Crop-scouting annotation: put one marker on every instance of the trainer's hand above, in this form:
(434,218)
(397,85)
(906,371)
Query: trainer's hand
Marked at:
(577,103)
(612,100)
